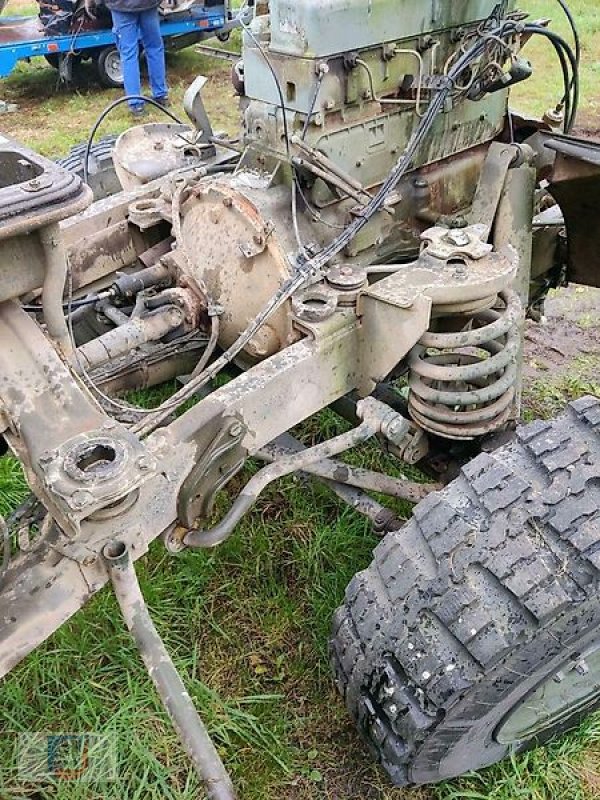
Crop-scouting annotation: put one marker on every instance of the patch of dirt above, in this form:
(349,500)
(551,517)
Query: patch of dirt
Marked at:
(570,329)
(588,131)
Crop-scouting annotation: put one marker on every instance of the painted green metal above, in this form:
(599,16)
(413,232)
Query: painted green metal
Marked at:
(321,28)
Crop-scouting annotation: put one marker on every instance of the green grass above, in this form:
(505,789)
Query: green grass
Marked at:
(546,396)
(540,93)
(247,625)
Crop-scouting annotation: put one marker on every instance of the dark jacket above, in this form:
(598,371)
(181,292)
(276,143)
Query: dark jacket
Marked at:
(131,6)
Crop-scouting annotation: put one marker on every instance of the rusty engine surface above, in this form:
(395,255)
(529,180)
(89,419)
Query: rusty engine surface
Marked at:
(382,220)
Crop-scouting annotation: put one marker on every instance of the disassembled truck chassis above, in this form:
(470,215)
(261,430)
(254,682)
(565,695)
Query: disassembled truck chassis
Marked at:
(371,242)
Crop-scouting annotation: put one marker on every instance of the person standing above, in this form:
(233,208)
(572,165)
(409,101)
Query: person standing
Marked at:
(135,21)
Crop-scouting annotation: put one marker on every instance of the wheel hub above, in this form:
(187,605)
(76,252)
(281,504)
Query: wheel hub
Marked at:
(575,686)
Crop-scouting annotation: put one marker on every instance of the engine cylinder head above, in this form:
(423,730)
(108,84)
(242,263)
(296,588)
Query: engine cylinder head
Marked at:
(463,384)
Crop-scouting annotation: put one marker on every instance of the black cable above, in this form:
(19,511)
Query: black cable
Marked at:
(106,112)
(313,103)
(38,309)
(574,29)
(572,84)
(267,61)
(567,83)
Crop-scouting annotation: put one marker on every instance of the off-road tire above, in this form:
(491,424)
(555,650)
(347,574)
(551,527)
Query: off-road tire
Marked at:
(489,592)
(102,176)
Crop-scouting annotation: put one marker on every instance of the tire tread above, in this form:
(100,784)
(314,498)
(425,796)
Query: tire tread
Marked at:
(482,567)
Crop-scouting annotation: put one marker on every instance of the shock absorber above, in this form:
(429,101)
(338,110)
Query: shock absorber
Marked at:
(463,384)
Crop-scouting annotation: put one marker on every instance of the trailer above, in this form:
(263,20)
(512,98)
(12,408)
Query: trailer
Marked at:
(22,38)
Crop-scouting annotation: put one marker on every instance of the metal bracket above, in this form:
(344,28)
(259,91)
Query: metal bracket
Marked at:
(223,458)
(194,108)
(413,448)
(394,318)
(491,183)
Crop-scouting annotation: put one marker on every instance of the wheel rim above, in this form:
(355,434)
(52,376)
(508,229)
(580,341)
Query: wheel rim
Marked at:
(112,66)
(574,687)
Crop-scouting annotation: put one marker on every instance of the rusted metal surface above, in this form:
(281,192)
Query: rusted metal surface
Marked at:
(575,184)
(381,517)
(491,184)
(514,227)
(130,335)
(463,384)
(415,291)
(35,192)
(146,152)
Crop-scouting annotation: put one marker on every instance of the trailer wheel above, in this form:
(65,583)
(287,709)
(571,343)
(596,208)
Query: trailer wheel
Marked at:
(109,68)
(475,632)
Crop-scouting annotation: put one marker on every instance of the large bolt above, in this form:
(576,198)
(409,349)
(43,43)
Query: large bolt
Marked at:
(81,497)
(582,668)
(45,457)
(458,238)
(235,429)
(346,278)
(144,462)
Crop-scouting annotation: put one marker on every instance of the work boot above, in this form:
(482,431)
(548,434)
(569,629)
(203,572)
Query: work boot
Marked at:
(163,101)
(137,111)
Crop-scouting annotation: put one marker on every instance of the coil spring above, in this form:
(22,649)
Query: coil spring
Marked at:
(463,385)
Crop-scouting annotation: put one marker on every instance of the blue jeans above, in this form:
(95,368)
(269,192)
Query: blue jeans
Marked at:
(129,28)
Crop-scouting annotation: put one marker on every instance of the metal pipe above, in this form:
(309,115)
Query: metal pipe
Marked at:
(113,314)
(166,679)
(131,283)
(320,158)
(330,178)
(355,498)
(55,278)
(347,475)
(130,335)
(371,411)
